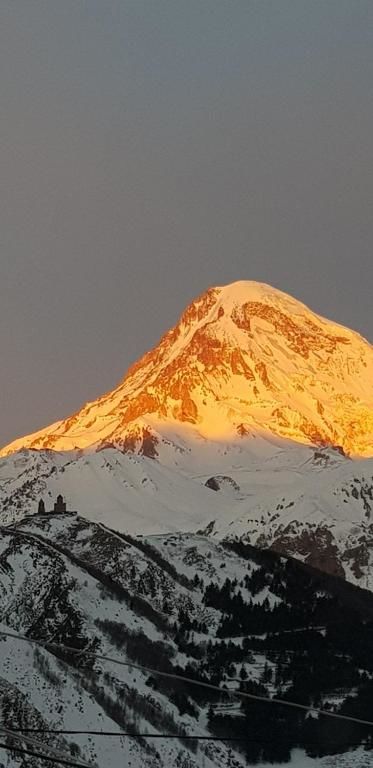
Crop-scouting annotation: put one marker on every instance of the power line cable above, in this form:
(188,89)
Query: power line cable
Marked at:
(55,753)
(33,753)
(182,737)
(190,680)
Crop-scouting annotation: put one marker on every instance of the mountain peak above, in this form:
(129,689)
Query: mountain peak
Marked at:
(243,359)
(241,291)
(253,299)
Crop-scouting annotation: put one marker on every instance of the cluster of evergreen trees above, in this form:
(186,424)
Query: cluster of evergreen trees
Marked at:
(282,631)
(315,648)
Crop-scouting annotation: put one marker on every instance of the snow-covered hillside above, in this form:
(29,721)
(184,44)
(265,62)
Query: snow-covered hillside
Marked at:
(180,603)
(312,503)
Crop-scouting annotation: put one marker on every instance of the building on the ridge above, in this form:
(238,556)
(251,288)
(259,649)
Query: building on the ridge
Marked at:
(41,507)
(59,505)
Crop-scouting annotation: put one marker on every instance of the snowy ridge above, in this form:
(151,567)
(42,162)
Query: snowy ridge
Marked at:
(312,503)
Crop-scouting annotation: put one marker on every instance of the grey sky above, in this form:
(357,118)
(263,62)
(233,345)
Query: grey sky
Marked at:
(151,149)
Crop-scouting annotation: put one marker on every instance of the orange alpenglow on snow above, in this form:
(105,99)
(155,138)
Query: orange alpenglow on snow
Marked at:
(243,359)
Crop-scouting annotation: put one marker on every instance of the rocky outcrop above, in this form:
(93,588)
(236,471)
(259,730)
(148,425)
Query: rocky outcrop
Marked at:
(314,547)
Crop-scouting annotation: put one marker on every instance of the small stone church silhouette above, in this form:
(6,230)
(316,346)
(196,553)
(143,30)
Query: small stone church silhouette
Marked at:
(59,506)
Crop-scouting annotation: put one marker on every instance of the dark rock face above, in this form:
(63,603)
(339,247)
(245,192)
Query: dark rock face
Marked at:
(358,558)
(315,547)
(218,482)
(318,548)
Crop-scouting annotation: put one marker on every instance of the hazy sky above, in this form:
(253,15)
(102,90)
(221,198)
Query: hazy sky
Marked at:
(149,149)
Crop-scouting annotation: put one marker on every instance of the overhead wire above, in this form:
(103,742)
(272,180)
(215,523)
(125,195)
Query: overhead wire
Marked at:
(33,743)
(180,736)
(33,753)
(230,692)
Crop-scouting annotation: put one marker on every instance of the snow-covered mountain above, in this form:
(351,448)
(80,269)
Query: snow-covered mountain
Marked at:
(252,418)
(249,425)
(243,359)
